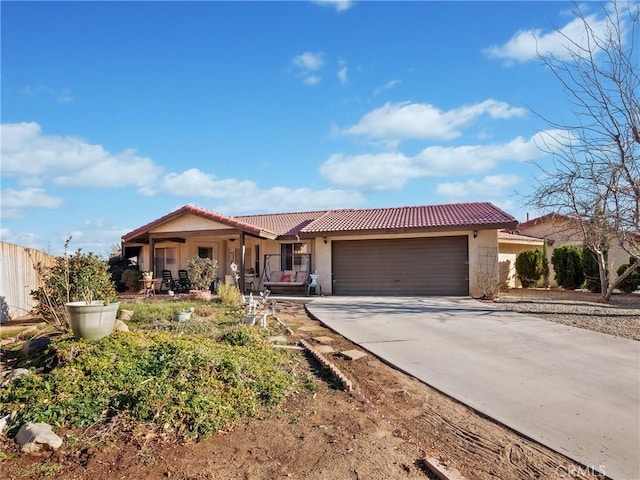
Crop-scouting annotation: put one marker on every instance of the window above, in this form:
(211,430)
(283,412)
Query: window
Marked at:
(205,252)
(166,259)
(291,254)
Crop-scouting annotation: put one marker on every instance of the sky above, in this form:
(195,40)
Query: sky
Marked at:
(117,113)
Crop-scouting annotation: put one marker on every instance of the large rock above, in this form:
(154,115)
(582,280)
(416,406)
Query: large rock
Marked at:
(120,326)
(35,345)
(34,436)
(9,376)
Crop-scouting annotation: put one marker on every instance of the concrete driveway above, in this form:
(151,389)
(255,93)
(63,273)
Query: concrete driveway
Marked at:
(573,390)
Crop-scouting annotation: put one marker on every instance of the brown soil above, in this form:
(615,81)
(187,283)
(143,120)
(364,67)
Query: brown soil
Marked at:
(384,430)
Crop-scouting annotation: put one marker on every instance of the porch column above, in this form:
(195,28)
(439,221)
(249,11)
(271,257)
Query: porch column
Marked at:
(241,263)
(152,249)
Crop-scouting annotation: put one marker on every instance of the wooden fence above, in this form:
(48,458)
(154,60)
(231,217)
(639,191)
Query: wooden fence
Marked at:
(18,277)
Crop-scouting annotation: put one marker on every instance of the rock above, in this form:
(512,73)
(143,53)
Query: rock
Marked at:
(35,345)
(325,349)
(323,339)
(6,421)
(126,314)
(10,375)
(353,354)
(120,326)
(278,339)
(33,436)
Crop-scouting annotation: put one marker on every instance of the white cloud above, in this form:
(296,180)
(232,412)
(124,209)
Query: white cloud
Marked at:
(27,239)
(343,72)
(392,170)
(383,171)
(525,45)
(424,121)
(307,65)
(62,95)
(309,61)
(13,201)
(244,195)
(33,158)
(339,5)
(387,86)
(488,187)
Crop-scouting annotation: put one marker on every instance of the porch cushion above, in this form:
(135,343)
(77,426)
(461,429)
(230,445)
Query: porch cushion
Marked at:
(275,276)
(285,278)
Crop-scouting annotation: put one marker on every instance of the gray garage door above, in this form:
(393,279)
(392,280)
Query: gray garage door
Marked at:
(410,266)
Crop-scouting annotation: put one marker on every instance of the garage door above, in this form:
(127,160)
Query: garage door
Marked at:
(410,266)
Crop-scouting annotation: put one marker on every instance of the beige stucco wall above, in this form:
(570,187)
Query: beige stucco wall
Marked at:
(507,262)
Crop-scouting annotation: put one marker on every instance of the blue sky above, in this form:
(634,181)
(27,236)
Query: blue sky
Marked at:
(116,113)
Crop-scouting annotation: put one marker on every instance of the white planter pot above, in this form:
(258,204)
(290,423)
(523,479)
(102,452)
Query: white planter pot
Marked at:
(92,321)
(181,316)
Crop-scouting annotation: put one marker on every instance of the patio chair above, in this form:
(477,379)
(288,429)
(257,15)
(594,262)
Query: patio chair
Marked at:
(167,281)
(183,283)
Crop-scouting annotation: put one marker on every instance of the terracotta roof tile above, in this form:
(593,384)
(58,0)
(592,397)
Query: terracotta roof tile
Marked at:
(284,224)
(427,216)
(510,237)
(350,220)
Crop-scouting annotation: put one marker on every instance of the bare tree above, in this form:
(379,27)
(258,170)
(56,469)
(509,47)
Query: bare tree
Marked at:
(595,178)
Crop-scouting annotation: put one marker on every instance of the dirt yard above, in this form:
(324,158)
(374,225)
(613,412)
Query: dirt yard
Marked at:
(384,431)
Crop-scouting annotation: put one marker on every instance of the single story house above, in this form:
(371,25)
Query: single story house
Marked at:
(510,244)
(560,230)
(420,250)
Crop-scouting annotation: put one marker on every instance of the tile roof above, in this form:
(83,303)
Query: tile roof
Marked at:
(544,218)
(510,237)
(420,217)
(201,212)
(469,215)
(283,224)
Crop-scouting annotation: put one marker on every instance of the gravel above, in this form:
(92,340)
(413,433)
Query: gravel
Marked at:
(620,317)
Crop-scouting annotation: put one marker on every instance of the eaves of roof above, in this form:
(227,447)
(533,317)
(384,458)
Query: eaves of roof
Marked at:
(231,222)
(508,237)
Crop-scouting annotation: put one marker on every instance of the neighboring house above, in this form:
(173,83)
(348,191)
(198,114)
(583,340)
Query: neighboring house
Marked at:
(422,250)
(560,230)
(510,244)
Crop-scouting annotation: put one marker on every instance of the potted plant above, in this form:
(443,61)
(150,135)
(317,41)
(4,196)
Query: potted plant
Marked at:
(147,278)
(77,293)
(202,273)
(183,315)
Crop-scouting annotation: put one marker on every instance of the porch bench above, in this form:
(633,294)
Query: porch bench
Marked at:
(285,279)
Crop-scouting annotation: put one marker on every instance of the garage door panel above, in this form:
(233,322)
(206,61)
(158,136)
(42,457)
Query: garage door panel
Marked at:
(415,266)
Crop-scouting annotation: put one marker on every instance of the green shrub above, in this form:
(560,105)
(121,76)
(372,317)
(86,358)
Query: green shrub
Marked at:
(71,278)
(131,279)
(632,282)
(529,267)
(591,271)
(229,294)
(567,263)
(202,272)
(189,384)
